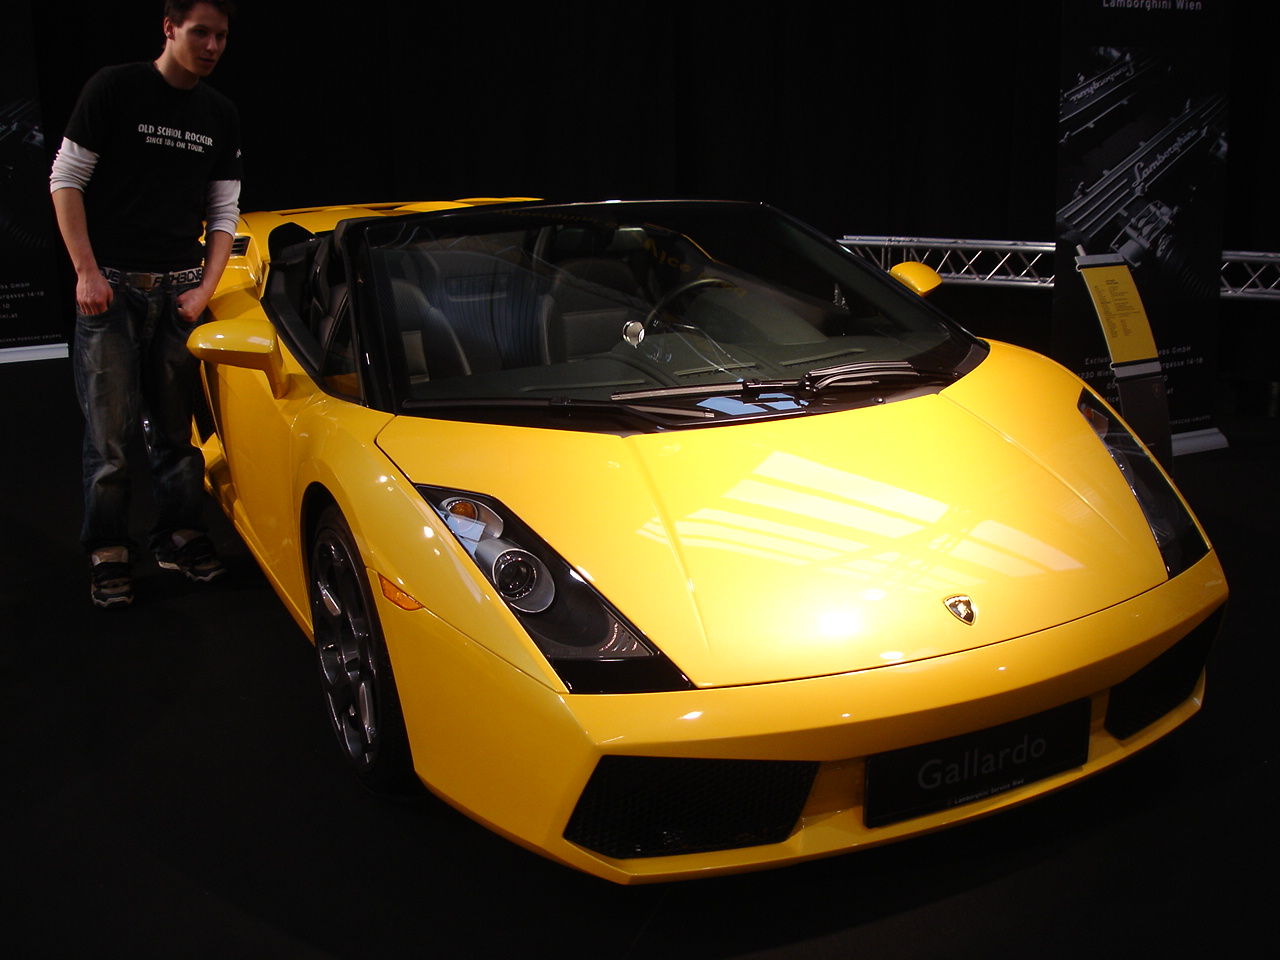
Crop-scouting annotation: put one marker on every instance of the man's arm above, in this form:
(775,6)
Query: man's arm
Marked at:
(223,216)
(217,250)
(93,293)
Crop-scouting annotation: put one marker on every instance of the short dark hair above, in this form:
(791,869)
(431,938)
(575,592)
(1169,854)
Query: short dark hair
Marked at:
(177,10)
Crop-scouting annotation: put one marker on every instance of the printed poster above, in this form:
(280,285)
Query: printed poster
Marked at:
(1142,150)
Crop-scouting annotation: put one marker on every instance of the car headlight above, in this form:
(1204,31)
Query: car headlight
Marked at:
(1176,533)
(588,642)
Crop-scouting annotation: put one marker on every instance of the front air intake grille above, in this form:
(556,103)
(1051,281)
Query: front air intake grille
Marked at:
(1163,683)
(660,806)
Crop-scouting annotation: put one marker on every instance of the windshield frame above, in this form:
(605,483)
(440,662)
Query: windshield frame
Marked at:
(525,395)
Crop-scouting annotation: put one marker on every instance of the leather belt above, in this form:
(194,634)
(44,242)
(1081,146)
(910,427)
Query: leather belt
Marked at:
(149,281)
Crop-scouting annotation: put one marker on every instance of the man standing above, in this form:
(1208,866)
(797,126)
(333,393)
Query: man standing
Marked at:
(151,154)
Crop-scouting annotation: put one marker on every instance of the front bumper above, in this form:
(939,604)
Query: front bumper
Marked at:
(519,757)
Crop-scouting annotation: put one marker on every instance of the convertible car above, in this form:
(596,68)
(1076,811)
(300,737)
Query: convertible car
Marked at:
(671,539)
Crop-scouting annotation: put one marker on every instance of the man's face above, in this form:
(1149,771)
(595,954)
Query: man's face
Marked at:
(198,42)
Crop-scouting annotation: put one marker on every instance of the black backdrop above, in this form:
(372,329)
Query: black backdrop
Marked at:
(924,118)
(921,118)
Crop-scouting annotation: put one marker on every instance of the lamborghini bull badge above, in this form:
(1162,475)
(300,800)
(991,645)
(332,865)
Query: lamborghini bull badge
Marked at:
(962,609)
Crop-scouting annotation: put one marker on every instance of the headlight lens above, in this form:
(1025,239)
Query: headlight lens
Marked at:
(590,644)
(1175,532)
(521,578)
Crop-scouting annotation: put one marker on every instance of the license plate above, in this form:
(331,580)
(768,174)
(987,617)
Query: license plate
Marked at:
(947,773)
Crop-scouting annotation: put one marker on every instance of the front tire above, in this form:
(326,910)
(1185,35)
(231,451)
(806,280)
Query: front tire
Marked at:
(355,670)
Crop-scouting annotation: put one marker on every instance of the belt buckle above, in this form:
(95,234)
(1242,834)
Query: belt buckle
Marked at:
(144,281)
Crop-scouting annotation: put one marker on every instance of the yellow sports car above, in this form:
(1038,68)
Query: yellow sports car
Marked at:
(670,539)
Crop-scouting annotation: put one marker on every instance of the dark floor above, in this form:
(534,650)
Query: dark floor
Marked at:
(173,791)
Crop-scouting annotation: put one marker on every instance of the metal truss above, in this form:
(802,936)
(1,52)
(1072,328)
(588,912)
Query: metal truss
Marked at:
(1001,263)
(1251,276)
(1014,263)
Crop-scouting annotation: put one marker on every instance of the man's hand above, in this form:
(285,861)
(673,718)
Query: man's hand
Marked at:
(191,303)
(93,294)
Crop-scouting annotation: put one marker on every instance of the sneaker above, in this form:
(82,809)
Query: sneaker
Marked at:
(112,581)
(194,555)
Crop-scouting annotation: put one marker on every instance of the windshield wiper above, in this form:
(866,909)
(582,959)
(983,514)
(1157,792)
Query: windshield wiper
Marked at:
(861,373)
(645,408)
(561,405)
(692,390)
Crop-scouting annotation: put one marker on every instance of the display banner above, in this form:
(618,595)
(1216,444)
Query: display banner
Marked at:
(31,314)
(1142,145)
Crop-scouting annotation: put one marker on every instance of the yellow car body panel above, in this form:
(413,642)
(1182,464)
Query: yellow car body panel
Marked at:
(860,536)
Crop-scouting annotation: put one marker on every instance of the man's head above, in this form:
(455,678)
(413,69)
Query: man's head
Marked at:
(195,34)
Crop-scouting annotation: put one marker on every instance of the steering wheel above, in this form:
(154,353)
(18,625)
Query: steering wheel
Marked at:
(675,293)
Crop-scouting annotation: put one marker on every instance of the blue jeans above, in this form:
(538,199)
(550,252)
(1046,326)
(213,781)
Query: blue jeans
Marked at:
(132,368)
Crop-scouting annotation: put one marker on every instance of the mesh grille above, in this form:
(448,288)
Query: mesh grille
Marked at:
(658,806)
(1163,683)
(200,410)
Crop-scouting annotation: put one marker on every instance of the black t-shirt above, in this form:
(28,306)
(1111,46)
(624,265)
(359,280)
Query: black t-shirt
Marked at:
(158,149)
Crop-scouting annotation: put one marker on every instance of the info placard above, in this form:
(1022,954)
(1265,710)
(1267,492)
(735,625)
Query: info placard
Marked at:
(1119,306)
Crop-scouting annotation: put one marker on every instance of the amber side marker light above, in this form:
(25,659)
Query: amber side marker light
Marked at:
(463,508)
(397,596)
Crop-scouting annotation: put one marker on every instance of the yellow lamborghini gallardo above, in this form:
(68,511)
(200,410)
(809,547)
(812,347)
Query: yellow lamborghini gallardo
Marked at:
(670,539)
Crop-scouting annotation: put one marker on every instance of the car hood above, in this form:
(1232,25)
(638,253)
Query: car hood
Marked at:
(830,543)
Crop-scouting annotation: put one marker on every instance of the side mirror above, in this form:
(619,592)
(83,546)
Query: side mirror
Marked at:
(242,343)
(919,278)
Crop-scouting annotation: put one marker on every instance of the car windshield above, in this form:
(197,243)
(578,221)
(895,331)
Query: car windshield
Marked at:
(677,313)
